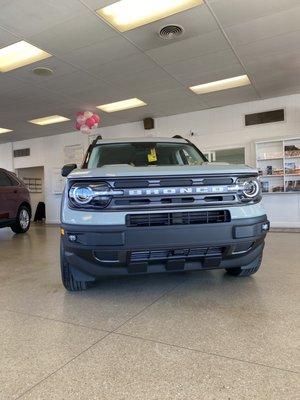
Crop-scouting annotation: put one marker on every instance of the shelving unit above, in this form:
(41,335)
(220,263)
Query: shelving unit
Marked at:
(279,164)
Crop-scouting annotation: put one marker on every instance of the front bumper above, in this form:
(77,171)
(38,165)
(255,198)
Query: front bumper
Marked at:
(94,251)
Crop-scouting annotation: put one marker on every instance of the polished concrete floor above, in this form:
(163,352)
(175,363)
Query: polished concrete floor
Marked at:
(201,335)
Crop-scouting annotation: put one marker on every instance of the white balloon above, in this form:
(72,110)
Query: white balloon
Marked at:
(85,129)
(87,114)
(81,119)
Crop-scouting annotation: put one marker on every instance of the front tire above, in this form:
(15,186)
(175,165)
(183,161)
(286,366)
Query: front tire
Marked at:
(68,279)
(248,270)
(22,223)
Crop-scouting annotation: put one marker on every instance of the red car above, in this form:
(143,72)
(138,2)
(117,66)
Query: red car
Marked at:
(15,209)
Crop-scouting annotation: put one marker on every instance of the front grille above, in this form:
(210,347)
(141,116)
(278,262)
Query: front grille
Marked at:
(178,218)
(171,254)
(162,192)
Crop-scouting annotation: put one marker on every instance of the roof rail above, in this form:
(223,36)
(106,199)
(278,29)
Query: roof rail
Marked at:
(99,137)
(178,137)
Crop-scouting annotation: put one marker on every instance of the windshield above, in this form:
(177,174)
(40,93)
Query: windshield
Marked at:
(142,154)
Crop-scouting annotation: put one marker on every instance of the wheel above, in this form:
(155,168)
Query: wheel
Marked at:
(68,279)
(22,223)
(248,270)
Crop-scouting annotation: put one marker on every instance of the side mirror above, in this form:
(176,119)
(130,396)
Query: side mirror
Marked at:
(67,169)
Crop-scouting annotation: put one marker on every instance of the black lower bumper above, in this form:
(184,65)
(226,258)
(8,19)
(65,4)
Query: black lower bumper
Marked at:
(93,251)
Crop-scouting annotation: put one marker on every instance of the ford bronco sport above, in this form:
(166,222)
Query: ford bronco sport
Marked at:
(156,205)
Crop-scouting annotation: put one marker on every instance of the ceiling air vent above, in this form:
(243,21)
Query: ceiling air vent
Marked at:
(265,117)
(22,152)
(170,32)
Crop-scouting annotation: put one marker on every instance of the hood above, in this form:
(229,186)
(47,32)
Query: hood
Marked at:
(125,170)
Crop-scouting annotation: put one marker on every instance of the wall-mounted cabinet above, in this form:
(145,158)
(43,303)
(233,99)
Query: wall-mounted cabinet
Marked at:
(278,162)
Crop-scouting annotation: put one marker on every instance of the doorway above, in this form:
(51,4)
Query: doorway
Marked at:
(33,177)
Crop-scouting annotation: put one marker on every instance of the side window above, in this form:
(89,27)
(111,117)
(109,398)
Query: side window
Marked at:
(4,179)
(13,181)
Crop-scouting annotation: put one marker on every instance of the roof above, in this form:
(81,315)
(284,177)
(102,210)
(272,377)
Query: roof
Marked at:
(142,140)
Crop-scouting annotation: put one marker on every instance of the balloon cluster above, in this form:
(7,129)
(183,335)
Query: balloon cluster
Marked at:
(86,121)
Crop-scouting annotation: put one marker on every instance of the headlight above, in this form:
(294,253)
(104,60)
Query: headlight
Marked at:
(92,194)
(82,194)
(249,188)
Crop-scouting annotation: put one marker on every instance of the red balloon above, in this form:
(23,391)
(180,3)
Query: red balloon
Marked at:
(90,122)
(96,118)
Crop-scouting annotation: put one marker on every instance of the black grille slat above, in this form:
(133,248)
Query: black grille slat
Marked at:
(184,218)
(169,254)
(169,182)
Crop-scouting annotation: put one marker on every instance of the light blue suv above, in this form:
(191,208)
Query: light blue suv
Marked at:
(148,205)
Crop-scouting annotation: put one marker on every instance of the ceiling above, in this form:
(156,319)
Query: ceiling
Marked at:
(94,64)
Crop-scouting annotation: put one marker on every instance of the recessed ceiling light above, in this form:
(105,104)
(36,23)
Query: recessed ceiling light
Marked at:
(223,84)
(129,14)
(19,54)
(52,119)
(122,105)
(43,71)
(4,130)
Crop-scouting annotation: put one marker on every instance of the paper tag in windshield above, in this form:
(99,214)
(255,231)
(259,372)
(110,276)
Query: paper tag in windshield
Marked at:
(152,156)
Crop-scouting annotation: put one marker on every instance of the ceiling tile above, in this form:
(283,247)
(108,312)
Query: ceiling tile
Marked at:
(271,67)
(195,22)
(283,90)
(169,96)
(189,48)
(26,73)
(147,81)
(265,27)
(90,57)
(96,95)
(269,47)
(96,4)
(231,12)
(29,17)
(8,83)
(128,65)
(7,38)
(196,70)
(82,30)
(179,107)
(230,96)
(72,84)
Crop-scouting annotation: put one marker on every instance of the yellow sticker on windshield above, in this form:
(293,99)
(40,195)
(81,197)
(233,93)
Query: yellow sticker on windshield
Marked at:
(152,157)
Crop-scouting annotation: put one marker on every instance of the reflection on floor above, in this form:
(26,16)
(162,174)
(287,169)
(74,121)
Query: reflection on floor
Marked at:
(201,335)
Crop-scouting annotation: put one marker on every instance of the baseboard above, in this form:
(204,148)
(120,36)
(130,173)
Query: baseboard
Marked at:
(285,224)
(54,222)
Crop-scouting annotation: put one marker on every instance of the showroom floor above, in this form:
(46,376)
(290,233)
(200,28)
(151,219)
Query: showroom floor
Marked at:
(201,335)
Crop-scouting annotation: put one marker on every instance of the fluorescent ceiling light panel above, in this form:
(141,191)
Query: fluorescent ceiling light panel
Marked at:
(223,84)
(52,119)
(129,14)
(19,54)
(122,105)
(4,130)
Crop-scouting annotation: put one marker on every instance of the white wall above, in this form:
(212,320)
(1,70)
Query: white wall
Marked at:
(214,128)
(6,159)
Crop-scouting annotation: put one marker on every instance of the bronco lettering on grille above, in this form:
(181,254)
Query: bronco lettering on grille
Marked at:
(181,190)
